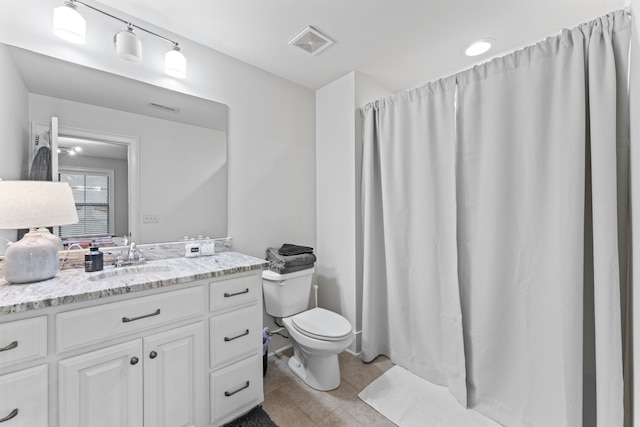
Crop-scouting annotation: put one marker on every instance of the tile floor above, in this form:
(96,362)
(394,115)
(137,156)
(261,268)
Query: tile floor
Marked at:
(291,403)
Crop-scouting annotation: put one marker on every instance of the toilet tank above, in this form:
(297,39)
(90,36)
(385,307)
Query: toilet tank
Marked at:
(286,294)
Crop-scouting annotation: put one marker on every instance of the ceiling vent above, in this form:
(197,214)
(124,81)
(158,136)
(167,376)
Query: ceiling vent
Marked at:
(311,40)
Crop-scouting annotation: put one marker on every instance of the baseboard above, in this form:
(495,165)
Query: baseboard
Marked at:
(353,353)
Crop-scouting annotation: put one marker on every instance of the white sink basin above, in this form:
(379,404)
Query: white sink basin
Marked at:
(129,271)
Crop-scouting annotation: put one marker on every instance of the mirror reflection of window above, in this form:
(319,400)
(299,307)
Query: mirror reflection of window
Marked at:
(93,194)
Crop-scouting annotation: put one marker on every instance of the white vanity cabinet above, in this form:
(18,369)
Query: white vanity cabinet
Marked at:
(158,379)
(235,347)
(185,353)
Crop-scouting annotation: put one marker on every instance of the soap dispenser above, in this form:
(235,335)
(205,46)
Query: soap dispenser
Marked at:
(93,261)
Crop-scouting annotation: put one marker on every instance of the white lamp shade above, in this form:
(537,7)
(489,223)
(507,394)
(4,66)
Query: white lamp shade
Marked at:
(69,25)
(31,204)
(128,46)
(175,64)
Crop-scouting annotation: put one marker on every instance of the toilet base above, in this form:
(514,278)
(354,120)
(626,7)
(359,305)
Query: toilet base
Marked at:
(322,372)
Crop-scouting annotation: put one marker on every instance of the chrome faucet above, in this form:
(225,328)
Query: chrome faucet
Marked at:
(134,257)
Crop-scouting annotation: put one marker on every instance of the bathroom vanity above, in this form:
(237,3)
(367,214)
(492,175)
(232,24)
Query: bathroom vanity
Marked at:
(173,342)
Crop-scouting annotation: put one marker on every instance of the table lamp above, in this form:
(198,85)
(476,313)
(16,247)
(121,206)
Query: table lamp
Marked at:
(33,204)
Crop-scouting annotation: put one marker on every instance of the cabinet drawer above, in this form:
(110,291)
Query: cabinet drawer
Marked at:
(23,340)
(233,292)
(234,335)
(24,398)
(236,388)
(95,324)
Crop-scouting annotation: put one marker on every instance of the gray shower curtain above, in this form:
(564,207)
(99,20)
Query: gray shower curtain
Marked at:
(496,230)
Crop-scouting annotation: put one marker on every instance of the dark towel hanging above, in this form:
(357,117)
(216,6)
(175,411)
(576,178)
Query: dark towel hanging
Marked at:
(41,165)
(288,249)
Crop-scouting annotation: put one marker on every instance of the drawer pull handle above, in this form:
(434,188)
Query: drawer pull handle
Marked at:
(10,346)
(237,336)
(11,416)
(131,319)
(227,393)
(227,295)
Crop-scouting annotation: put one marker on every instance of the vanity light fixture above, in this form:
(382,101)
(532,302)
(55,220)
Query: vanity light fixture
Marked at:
(69,25)
(478,47)
(34,204)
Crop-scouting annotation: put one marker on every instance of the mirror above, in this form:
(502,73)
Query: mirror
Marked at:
(175,145)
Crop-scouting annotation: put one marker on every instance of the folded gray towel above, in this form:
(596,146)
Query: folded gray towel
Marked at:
(288,249)
(278,268)
(289,261)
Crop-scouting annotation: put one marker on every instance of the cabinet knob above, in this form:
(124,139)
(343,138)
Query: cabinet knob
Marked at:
(134,360)
(153,355)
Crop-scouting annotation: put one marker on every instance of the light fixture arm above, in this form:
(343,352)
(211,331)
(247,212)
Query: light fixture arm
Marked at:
(129,24)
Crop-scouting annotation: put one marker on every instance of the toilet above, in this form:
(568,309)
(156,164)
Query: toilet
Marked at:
(317,335)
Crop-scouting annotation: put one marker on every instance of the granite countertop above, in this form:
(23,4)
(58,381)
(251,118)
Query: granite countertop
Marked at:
(75,285)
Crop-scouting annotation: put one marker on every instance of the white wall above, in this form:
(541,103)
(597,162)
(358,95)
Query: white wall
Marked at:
(338,164)
(335,195)
(14,129)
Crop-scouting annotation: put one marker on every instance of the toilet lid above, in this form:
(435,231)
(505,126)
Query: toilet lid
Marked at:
(322,324)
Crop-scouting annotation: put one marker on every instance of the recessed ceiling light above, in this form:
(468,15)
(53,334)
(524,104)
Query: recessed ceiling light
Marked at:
(478,47)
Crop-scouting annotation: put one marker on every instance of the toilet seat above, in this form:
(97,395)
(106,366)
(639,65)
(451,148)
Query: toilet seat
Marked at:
(322,324)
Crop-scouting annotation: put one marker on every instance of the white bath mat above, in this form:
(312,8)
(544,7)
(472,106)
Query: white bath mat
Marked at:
(409,400)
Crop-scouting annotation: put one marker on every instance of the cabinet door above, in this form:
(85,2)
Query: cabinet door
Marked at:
(102,388)
(174,377)
(23,401)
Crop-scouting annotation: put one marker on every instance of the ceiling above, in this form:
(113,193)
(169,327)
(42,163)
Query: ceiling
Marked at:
(400,43)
